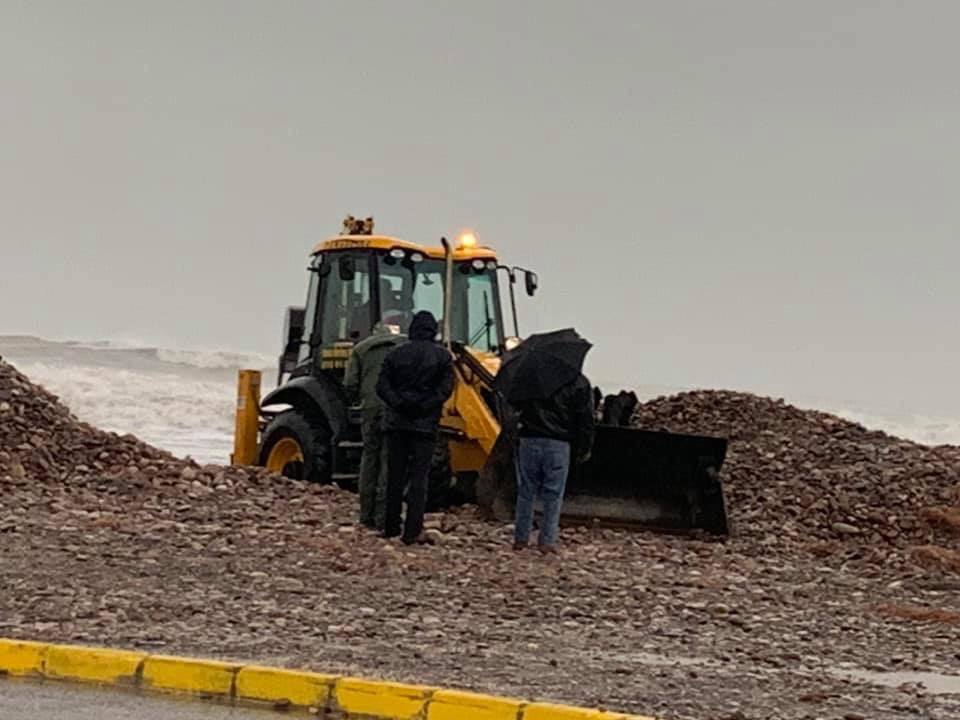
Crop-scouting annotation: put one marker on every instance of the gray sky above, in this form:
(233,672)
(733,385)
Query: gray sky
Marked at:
(741,194)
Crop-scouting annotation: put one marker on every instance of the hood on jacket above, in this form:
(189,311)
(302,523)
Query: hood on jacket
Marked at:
(382,327)
(380,337)
(424,326)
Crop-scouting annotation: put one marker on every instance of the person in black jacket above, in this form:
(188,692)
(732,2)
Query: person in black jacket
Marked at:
(548,430)
(415,382)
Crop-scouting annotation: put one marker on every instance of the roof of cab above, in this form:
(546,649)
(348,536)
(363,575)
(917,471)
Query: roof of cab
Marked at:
(385,242)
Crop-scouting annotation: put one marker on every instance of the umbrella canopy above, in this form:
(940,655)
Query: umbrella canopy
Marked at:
(541,365)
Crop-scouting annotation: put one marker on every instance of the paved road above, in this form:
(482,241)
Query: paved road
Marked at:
(21,700)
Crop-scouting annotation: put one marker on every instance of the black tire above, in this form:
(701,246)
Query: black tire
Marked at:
(464,488)
(312,437)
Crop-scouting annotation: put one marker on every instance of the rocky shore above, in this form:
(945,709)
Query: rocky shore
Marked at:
(841,580)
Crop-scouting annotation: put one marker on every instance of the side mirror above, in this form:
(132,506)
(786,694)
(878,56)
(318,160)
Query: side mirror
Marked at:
(320,266)
(532,282)
(346,268)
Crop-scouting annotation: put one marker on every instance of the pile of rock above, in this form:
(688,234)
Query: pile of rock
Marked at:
(791,475)
(804,475)
(110,541)
(43,446)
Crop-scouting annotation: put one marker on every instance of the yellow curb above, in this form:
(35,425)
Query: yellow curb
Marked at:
(188,675)
(284,687)
(328,696)
(64,662)
(21,657)
(547,711)
(378,699)
(458,705)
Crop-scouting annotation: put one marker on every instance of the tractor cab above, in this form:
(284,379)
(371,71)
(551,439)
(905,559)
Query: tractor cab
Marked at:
(359,279)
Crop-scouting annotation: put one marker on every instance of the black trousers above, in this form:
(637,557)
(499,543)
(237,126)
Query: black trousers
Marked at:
(409,455)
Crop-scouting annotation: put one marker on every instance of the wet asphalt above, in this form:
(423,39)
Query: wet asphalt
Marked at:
(34,700)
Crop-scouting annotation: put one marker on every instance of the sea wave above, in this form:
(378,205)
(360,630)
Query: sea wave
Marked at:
(185,415)
(180,400)
(215,359)
(923,429)
(110,352)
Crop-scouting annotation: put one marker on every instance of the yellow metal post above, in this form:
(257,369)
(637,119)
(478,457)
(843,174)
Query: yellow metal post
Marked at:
(248,412)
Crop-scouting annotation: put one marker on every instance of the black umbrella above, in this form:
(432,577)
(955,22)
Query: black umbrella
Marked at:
(541,365)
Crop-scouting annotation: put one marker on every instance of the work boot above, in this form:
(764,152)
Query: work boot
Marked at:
(421,539)
(549,549)
(518,546)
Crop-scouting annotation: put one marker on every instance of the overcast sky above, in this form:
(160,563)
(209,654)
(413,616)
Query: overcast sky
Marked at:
(745,194)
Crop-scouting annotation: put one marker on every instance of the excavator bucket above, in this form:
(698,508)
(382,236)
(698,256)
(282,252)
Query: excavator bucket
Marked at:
(635,478)
(653,479)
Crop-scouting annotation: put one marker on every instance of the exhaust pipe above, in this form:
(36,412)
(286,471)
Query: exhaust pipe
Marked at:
(447,292)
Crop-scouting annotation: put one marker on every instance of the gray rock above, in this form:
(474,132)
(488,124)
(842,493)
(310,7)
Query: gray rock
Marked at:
(846,528)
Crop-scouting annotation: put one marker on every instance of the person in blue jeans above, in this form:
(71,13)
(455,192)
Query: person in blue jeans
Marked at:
(551,430)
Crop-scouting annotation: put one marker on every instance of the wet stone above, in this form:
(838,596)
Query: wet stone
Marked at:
(110,541)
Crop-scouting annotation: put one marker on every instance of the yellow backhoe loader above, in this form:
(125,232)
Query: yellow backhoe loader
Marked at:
(306,429)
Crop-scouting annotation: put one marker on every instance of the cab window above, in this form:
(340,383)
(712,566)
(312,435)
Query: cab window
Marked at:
(310,309)
(407,287)
(476,308)
(347,314)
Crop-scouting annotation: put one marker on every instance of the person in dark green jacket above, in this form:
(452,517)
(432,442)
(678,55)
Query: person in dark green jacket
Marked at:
(360,382)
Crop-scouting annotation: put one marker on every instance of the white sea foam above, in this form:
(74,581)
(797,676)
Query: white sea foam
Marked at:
(187,416)
(216,359)
(180,400)
(99,352)
(923,429)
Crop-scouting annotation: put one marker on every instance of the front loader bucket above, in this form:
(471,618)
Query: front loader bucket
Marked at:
(496,488)
(640,478)
(653,479)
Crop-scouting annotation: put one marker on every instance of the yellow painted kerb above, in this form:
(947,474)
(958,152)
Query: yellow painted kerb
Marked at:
(456,705)
(21,657)
(548,711)
(327,696)
(187,675)
(101,665)
(371,698)
(274,685)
